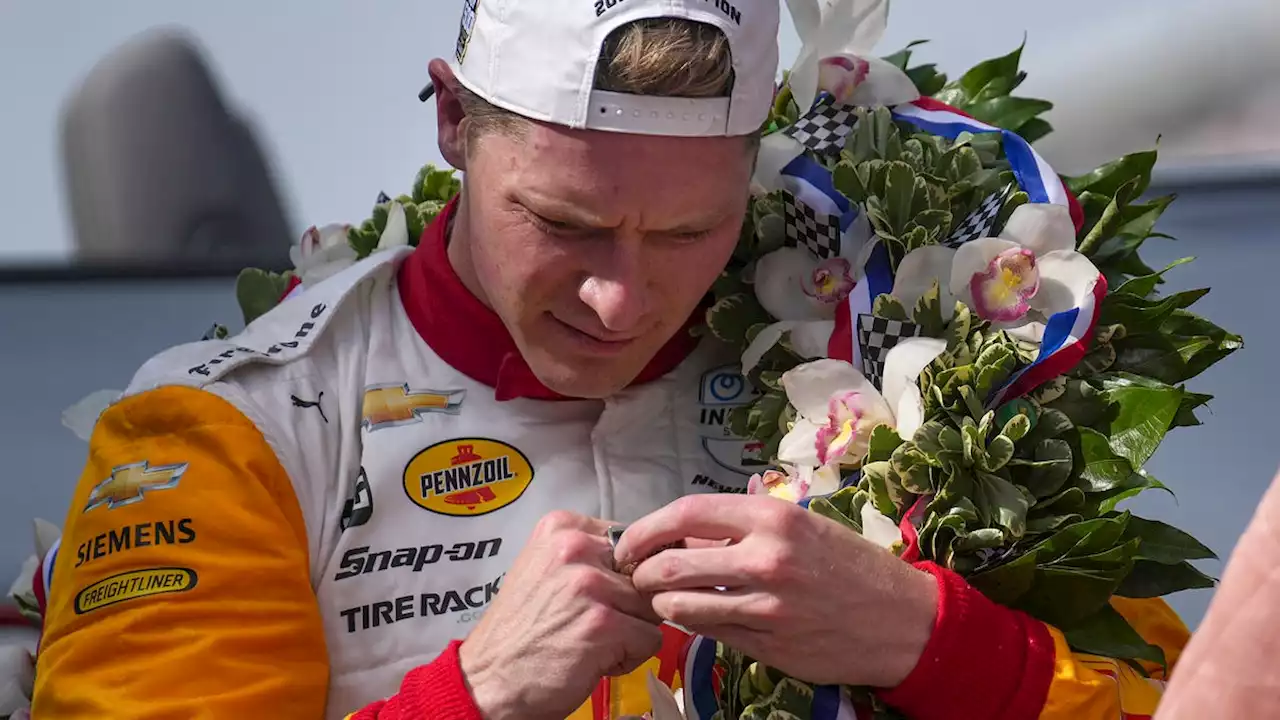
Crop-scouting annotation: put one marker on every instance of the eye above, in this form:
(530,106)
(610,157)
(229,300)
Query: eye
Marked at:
(692,236)
(555,227)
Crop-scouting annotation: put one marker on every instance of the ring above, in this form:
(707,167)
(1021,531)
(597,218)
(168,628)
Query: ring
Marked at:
(614,534)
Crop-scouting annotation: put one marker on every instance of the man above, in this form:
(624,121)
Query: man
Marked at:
(1229,668)
(490,399)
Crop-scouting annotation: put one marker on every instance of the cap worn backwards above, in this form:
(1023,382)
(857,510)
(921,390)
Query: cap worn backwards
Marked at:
(538,58)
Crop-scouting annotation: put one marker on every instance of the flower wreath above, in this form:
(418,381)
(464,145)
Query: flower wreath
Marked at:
(958,353)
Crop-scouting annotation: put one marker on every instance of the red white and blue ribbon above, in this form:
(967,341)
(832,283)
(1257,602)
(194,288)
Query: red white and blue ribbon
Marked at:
(43,579)
(1067,334)
(702,685)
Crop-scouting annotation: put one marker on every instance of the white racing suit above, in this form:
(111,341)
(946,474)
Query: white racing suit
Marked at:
(290,521)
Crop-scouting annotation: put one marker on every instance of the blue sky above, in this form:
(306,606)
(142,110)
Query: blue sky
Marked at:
(330,85)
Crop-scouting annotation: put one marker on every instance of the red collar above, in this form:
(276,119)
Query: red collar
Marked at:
(471,337)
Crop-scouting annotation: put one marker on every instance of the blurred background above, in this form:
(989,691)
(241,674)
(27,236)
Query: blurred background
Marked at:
(260,119)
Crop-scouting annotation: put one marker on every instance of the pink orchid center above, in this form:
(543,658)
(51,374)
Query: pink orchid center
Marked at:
(838,435)
(831,282)
(779,485)
(1004,290)
(841,75)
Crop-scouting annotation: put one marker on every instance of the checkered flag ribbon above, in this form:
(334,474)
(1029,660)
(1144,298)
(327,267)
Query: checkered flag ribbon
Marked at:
(978,223)
(806,227)
(876,337)
(824,128)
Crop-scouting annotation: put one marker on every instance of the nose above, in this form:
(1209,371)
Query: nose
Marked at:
(617,294)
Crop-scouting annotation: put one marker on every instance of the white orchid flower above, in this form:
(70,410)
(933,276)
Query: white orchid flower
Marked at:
(837,407)
(1026,275)
(839,37)
(83,416)
(666,703)
(17,679)
(801,291)
(794,484)
(322,252)
(326,251)
(396,233)
(880,528)
(917,273)
(836,56)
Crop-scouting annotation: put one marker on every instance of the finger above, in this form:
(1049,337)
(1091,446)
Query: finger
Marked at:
(742,639)
(637,642)
(561,520)
(620,594)
(701,568)
(704,516)
(700,608)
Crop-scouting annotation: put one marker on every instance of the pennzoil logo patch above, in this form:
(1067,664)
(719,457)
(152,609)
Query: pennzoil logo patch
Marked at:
(133,585)
(467,476)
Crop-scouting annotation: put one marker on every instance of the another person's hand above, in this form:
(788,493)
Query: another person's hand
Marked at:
(562,620)
(790,588)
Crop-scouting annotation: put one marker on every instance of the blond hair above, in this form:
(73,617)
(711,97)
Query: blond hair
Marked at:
(665,57)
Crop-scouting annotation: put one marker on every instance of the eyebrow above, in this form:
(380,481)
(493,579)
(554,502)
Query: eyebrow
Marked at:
(567,211)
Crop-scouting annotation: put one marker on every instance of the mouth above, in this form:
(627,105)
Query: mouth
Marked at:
(591,342)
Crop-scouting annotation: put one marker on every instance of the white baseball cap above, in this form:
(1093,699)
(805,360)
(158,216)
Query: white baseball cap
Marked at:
(537,58)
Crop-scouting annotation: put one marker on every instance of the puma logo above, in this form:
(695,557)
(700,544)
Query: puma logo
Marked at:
(300,403)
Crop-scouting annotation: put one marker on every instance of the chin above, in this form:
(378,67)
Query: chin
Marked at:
(593,381)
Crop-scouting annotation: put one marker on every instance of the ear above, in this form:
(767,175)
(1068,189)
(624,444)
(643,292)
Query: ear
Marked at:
(450,117)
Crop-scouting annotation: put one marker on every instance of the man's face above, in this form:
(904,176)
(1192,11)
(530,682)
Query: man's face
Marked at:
(595,247)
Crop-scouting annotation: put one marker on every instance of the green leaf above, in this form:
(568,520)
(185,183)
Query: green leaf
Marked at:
(927,79)
(434,184)
(928,312)
(1035,129)
(1150,579)
(1137,483)
(1065,596)
(882,442)
(1019,424)
(1008,112)
(258,291)
(999,452)
(1112,219)
(876,475)
(730,318)
(1051,423)
(899,189)
(1172,358)
(890,308)
(1146,284)
(1186,415)
(1048,469)
(1102,469)
(1108,179)
(1164,543)
(1108,634)
(1002,502)
(1140,417)
(826,508)
(1141,314)
(912,469)
(1097,532)
(991,78)
(1005,584)
(363,240)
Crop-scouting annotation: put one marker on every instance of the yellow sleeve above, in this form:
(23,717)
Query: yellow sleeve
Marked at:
(1089,687)
(182,585)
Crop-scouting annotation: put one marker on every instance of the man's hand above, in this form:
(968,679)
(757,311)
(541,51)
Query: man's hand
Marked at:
(562,621)
(799,591)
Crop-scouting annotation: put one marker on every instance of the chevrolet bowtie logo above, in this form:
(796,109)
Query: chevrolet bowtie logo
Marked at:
(391,405)
(128,483)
